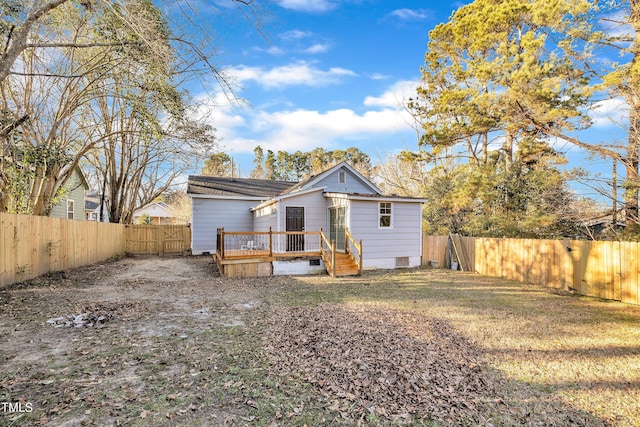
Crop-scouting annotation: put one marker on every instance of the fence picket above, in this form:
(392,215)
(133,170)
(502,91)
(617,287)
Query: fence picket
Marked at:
(603,269)
(31,246)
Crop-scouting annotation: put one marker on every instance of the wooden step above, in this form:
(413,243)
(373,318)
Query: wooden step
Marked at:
(345,266)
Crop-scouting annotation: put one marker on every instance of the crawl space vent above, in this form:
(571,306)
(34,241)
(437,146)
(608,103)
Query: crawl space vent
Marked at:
(402,261)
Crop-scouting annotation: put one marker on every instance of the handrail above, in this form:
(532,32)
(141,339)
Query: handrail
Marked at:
(330,258)
(357,246)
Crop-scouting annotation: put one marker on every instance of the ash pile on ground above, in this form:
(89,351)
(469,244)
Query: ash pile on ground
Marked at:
(80,320)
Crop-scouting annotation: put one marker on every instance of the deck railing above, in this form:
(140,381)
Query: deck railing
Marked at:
(328,252)
(355,249)
(245,244)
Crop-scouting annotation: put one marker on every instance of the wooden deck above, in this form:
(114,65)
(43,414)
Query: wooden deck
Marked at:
(252,254)
(266,254)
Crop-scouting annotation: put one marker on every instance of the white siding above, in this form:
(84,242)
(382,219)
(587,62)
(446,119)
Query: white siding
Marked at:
(381,246)
(264,218)
(210,214)
(353,184)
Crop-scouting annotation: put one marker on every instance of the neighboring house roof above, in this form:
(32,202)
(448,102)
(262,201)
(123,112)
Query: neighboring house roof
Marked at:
(90,205)
(154,209)
(230,187)
(606,219)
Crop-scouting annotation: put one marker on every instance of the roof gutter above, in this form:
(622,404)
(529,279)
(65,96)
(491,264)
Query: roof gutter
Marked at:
(286,196)
(375,197)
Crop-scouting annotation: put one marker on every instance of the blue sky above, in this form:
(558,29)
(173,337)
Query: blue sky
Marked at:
(331,74)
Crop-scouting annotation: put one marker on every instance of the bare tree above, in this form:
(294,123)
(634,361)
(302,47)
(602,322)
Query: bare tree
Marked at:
(58,55)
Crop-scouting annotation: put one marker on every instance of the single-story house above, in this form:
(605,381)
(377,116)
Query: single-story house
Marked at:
(340,198)
(158,212)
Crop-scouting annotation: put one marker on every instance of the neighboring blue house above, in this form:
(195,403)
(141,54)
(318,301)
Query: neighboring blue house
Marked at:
(389,226)
(71,205)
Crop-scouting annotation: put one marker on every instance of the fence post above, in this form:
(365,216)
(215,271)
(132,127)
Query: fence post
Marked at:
(270,242)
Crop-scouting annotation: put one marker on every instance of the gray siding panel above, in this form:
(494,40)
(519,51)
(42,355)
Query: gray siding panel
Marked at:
(210,214)
(403,240)
(262,221)
(352,185)
(315,210)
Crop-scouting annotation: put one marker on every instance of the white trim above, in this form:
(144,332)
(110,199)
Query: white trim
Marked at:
(390,215)
(392,199)
(73,209)
(286,196)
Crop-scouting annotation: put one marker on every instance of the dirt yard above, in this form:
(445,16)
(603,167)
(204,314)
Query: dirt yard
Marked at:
(166,341)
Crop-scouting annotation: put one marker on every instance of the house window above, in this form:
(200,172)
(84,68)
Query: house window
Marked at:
(69,209)
(385,215)
(342,177)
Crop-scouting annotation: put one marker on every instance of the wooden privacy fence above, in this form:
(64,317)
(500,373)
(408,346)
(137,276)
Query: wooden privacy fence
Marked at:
(603,269)
(158,239)
(31,246)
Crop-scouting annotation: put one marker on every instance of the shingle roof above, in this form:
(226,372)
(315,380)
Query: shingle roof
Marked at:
(224,186)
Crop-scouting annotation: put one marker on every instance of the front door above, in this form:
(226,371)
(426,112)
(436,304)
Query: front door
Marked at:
(337,227)
(295,222)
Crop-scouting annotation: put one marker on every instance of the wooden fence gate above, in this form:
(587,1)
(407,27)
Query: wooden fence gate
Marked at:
(158,239)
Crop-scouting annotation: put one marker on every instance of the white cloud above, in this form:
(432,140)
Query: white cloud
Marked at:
(317,48)
(395,96)
(306,129)
(307,5)
(411,14)
(610,112)
(617,25)
(275,50)
(295,35)
(379,76)
(296,74)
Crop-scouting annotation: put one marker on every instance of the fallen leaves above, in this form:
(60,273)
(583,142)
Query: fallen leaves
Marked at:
(388,363)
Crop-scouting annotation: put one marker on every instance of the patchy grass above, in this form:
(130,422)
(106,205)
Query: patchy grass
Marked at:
(579,351)
(445,348)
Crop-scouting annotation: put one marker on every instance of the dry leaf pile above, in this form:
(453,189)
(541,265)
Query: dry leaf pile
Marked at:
(380,363)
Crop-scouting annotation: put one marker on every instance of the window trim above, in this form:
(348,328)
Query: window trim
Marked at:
(70,212)
(342,177)
(389,214)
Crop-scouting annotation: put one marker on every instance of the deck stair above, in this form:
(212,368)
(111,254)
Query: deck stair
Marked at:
(346,265)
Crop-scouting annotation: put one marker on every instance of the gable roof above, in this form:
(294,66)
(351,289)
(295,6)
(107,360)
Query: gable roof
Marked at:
(312,180)
(234,187)
(154,205)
